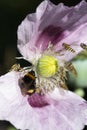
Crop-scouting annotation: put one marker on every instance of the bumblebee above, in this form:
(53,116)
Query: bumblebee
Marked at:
(83,46)
(27,84)
(68,47)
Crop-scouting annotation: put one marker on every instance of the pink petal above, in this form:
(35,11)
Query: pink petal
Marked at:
(37,100)
(56,23)
(52,111)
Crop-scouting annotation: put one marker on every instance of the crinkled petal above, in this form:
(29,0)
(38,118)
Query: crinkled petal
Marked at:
(52,111)
(57,24)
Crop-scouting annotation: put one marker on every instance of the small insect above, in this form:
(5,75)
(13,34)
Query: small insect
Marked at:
(27,84)
(68,47)
(15,67)
(83,46)
(71,68)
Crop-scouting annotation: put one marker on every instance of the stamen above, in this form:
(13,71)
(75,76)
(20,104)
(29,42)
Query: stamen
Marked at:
(71,68)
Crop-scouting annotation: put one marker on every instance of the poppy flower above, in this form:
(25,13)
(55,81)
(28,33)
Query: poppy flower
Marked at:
(49,39)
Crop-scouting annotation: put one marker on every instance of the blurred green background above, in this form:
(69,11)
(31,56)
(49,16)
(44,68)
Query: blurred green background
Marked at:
(12,12)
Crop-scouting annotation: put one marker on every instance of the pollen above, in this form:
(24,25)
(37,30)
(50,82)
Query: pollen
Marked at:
(47,66)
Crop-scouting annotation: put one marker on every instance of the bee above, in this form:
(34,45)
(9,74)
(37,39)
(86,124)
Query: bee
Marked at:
(71,68)
(68,47)
(27,84)
(15,67)
(83,46)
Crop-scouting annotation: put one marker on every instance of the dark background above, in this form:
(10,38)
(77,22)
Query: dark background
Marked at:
(12,12)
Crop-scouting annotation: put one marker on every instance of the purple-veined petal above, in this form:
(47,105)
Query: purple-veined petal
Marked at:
(57,24)
(76,38)
(62,112)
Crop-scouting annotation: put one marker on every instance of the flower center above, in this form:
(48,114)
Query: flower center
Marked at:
(47,66)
